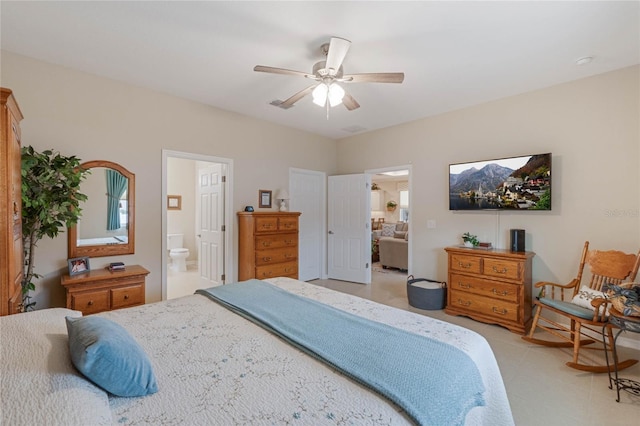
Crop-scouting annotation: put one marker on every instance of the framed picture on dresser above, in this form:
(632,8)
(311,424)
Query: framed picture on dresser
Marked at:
(264,199)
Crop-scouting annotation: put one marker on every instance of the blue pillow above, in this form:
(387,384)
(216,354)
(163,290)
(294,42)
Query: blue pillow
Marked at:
(105,353)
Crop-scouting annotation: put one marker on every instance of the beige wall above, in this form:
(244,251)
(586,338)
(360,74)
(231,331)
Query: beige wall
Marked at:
(591,127)
(100,119)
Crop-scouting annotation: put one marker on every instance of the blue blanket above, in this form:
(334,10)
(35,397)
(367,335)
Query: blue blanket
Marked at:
(433,382)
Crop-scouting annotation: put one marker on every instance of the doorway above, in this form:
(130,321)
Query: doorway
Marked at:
(391,204)
(200,218)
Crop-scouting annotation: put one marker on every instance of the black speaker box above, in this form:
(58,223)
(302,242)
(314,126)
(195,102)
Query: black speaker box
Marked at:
(517,240)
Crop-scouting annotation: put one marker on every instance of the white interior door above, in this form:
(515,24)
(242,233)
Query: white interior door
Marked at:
(308,193)
(210,223)
(349,236)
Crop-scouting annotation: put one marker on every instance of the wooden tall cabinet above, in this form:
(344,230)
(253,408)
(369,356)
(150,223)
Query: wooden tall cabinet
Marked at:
(11,253)
(268,245)
(492,286)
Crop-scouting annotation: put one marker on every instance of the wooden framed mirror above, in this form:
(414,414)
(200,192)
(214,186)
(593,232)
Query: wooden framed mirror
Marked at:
(107,224)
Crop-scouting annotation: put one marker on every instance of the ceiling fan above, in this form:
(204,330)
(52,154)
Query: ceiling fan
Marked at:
(327,74)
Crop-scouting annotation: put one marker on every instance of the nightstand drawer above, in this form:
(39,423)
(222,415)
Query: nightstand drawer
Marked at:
(90,302)
(127,296)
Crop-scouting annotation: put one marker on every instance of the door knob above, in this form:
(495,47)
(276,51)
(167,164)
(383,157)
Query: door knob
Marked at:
(330,232)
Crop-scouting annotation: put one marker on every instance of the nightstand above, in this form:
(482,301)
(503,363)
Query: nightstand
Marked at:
(103,290)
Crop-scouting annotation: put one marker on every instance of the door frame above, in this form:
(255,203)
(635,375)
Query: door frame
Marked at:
(228,212)
(372,172)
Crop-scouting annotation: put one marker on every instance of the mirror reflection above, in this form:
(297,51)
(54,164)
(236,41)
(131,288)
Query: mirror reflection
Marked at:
(107,224)
(105,213)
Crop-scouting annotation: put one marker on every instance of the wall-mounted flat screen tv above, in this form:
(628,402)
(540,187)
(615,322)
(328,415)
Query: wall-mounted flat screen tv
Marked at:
(514,183)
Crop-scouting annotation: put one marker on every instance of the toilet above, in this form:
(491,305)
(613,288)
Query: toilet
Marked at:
(177,253)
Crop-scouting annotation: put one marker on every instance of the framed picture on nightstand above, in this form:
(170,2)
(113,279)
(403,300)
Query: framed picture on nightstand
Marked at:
(78,265)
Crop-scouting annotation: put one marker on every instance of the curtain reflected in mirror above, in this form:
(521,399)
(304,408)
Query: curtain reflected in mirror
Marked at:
(116,188)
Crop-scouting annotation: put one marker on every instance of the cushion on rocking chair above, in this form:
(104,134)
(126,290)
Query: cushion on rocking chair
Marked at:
(568,307)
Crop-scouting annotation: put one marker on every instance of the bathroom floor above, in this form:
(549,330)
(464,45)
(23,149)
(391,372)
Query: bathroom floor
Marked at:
(182,283)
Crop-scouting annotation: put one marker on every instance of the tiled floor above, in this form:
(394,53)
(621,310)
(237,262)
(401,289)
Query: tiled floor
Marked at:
(541,389)
(182,283)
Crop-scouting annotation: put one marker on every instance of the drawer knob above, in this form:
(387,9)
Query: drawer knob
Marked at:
(499,311)
(463,285)
(126,297)
(90,302)
(499,271)
(288,241)
(266,259)
(464,265)
(266,244)
(496,292)
(463,303)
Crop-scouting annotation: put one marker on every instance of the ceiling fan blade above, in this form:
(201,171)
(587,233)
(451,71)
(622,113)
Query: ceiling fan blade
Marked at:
(273,70)
(338,48)
(288,103)
(374,77)
(349,102)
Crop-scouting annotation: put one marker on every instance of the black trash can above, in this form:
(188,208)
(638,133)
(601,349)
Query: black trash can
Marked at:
(427,294)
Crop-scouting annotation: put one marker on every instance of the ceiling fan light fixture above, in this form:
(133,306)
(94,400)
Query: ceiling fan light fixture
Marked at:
(336,93)
(320,94)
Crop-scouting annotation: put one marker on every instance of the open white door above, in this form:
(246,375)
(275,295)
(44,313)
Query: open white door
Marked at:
(349,239)
(307,189)
(210,224)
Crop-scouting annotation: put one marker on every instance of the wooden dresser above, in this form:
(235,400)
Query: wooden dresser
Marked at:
(268,245)
(11,253)
(102,290)
(492,286)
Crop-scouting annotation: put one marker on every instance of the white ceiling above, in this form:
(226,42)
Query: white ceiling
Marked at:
(453,54)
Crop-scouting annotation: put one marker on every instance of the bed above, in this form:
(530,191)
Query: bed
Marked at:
(216,367)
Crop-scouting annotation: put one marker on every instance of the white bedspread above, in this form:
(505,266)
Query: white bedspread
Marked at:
(38,383)
(215,368)
(218,368)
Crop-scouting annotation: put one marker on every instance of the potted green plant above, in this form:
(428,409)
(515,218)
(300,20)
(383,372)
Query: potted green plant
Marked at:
(470,240)
(391,205)
(50,201)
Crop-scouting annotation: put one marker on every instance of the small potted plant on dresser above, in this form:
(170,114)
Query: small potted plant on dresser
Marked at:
(470,240)
(391,205)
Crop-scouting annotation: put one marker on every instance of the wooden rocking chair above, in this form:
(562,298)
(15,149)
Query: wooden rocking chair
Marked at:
(606,267)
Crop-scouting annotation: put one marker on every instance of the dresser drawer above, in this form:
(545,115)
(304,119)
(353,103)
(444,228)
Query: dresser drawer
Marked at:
(277,270)
(498,309)
(266,257)
(502,268)
(90,302)
(494,289)
(266,224)
(127,296)
(288,224)
(276,241)
(464,263)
